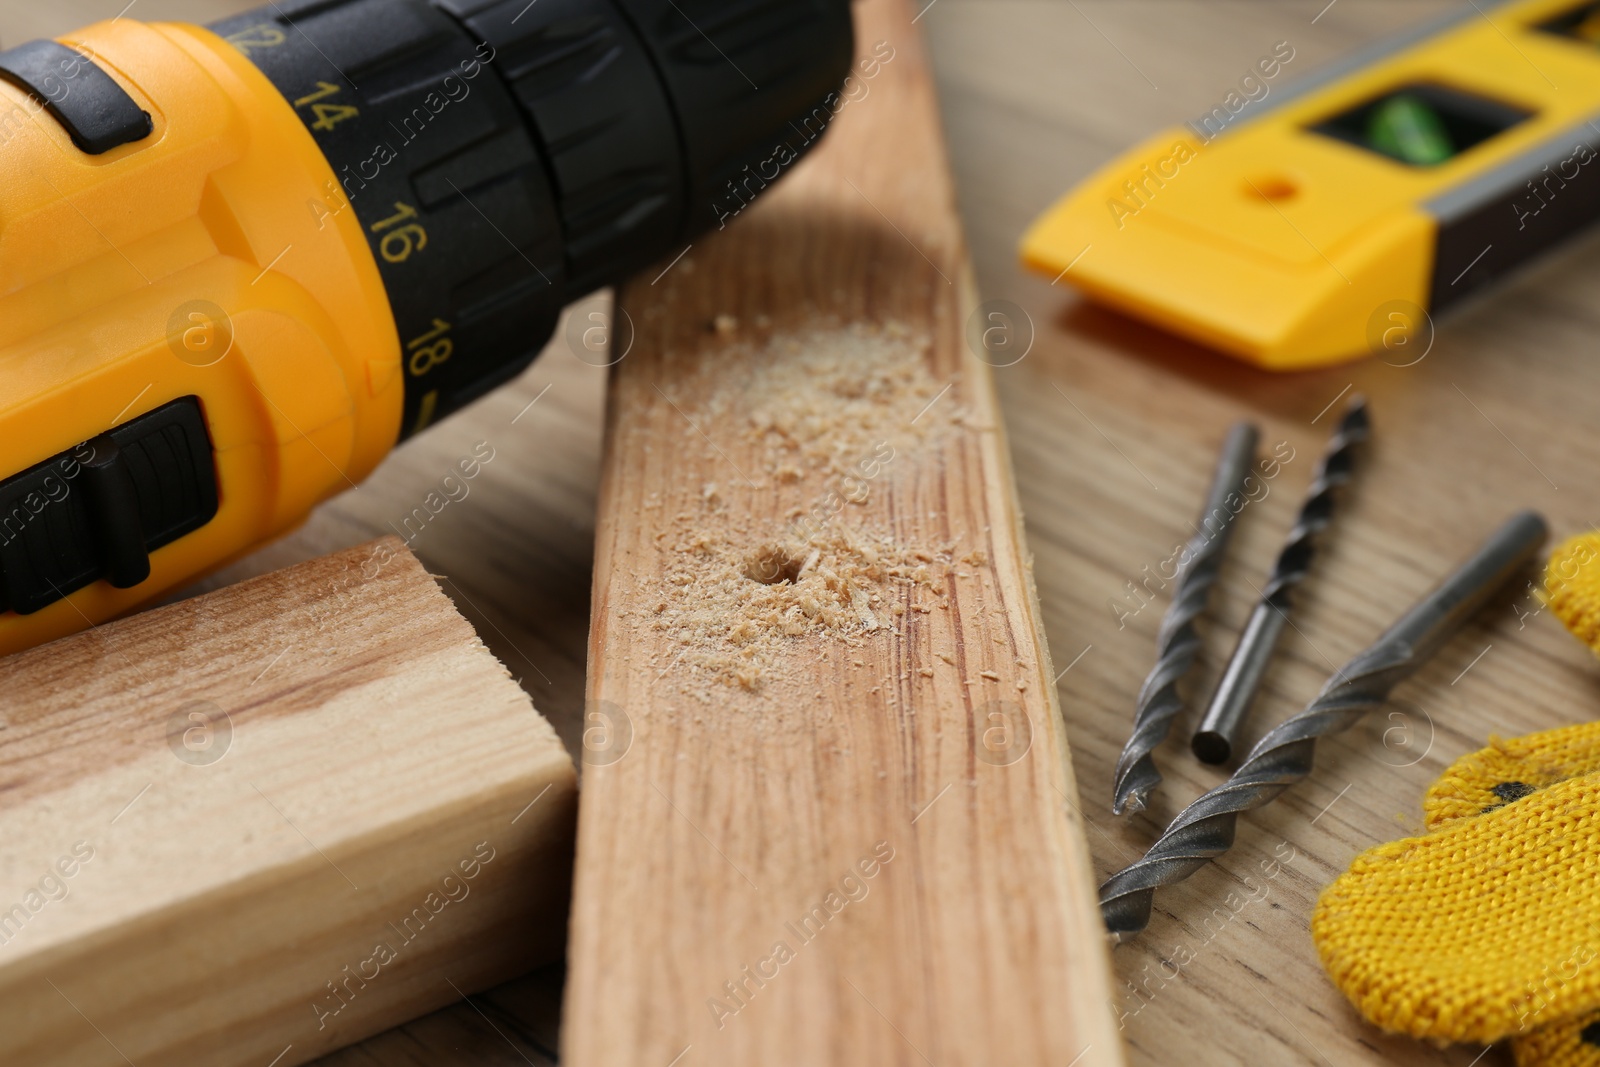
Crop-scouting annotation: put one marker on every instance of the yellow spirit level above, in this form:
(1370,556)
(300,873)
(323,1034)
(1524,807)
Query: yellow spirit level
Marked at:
(1286,225)
(238,263)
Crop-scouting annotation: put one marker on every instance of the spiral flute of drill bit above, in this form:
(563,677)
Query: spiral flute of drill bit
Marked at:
(1205,829)
(1178,643)
(1241,679)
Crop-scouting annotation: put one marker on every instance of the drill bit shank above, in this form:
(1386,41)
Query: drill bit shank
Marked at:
(1178,643)
(1205,829)
(1241,679)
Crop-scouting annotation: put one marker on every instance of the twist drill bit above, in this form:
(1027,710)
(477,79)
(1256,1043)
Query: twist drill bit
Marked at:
(1177,643)
(1204,830)
(1213,740)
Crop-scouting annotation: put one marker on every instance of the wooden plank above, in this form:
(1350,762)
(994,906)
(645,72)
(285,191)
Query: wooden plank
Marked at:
(842,827)
(270,821)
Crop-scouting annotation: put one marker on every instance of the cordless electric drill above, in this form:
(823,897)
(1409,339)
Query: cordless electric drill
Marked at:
(239,263)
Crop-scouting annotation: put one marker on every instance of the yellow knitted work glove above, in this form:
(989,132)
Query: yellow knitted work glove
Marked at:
(1572,587)
(1488,926)
(1571,1043)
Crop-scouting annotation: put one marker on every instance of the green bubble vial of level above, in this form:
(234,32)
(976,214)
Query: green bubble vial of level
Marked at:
(1405,127)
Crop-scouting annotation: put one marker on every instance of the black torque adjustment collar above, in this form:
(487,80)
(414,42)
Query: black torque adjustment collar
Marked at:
(437,163)
(506,158)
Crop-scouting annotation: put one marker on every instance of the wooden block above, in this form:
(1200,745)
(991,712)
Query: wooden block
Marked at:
(828,813)
(270,821)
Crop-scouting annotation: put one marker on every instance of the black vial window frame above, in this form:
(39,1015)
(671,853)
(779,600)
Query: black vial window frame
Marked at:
(1581,23)
(1423,124)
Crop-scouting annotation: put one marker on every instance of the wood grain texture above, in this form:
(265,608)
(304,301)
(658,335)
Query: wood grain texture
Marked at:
(1035,94)
(270,821)
(705,849)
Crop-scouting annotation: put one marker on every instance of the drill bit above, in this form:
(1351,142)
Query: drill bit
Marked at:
(1213,740)
(1204,830)
(1177,643)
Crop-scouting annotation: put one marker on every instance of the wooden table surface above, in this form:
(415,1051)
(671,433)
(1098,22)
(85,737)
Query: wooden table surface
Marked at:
(1113,428)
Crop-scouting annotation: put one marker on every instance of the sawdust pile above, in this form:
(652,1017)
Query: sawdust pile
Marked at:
(726,618)
(822,421)
(821,401)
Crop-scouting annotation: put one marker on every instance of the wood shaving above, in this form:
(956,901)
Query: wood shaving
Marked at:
(733,610)
(821,400)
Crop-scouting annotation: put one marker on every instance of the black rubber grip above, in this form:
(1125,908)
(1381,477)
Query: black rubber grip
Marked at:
(97,113)
(114,512)
(99,510)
